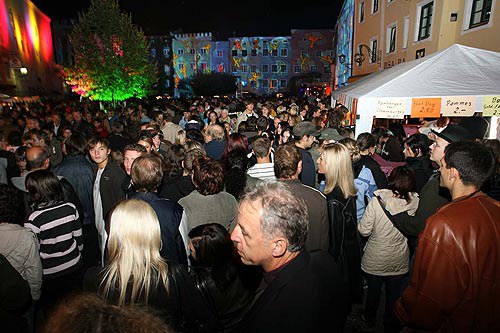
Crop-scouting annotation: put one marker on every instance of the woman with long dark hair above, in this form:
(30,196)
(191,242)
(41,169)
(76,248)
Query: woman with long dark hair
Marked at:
(58,227)
(217,272)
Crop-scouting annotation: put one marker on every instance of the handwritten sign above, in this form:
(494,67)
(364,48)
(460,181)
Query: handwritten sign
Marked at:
(390,108)
(425,107)
(458,106)
(491,106)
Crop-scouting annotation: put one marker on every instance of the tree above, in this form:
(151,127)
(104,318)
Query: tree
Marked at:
(213,84)
(111,55)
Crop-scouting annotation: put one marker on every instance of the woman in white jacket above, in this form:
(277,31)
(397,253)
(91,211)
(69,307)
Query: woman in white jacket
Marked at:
(386,254)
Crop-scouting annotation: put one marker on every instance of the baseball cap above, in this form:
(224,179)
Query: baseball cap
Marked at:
(330,133)
(454,133)
(305,128)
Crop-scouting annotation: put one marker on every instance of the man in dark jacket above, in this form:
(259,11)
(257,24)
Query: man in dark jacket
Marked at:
(305,134)
(78,171)
(107,190)
(300,291)
(287,167)
(147,173)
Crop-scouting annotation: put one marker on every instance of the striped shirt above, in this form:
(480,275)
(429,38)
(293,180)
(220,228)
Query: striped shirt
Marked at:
(59,231)
(263,171)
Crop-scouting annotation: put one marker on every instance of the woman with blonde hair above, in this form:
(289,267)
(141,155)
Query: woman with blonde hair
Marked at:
(137,274)
(335,163)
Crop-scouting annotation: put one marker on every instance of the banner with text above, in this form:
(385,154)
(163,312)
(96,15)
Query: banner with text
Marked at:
(425,107)
(491,106)
(458,106)
(390,108)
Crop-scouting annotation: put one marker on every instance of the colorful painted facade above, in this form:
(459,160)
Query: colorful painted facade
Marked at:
(312,52)
(160,53)
(26,51)
(343,44)
(260,64)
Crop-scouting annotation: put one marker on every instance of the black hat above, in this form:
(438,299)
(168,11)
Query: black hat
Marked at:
(477,126)
(454,133)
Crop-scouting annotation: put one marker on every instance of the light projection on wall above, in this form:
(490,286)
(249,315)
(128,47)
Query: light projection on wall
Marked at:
(344,42)
(27,30)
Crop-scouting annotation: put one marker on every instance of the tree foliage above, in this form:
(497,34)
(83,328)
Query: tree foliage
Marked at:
(111,55)
(213,84)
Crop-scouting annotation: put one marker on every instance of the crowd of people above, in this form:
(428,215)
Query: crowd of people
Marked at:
(244,215)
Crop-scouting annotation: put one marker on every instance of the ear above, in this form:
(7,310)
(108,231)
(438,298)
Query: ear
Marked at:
(46,164)
(279,247)
(454,174)
(299,167)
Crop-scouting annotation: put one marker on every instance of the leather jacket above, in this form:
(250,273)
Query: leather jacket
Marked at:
(455,283)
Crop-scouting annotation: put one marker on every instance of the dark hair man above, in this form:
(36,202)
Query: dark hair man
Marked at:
(147,174)
(300,291)
(305,134)
(107,190)
(454,285)
(287,167)
(264,168)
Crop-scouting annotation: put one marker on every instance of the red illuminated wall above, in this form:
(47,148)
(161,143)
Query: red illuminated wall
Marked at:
(26,41)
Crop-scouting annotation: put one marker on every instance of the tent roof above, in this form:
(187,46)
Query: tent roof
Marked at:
(455,71)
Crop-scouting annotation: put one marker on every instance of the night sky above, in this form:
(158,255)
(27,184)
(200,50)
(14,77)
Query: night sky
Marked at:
(226,18)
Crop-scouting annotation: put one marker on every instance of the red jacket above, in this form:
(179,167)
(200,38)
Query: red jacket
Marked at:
(455,286)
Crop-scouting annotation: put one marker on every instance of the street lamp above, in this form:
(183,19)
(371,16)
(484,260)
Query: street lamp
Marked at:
(23,70)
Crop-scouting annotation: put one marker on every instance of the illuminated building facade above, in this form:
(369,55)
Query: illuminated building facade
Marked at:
(26,52)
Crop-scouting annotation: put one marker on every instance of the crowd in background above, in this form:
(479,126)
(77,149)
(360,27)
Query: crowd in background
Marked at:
(144,204)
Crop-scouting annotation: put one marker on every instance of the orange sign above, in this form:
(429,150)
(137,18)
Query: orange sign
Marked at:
(425,107)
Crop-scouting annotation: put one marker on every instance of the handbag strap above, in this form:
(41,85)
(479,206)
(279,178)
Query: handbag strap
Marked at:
(389,216)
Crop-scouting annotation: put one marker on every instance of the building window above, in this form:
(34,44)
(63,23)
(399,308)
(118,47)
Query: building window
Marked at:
(283,68)
(181,66)
(406,31)
(253,68)
(480,14)
(203,51)
(318,54)
(191,65)
(253,84)
(265,52)
(166,51)
(391,39)
(374,6)
(283,83)
(180,51)
(361,11)
(265,83)
(424,27)
(326,69)
(274,53)
(303,54)
(274,83)
(244,53)
(219,53)
(244,68)
(253,53)
(296,69)
(314,68)
(153,52)
(274,68)
(373,47)
(192,51)
(284,52)
(265,68)
(204,66)
(166,69)
(234,53)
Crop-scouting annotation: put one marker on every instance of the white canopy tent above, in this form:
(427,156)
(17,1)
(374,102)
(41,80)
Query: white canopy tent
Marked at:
(456,71)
